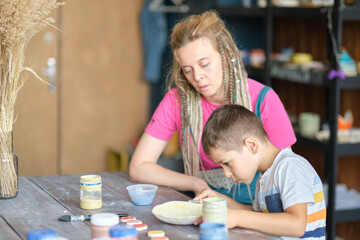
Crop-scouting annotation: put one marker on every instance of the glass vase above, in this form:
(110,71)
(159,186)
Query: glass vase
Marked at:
(8,167)
(9,176)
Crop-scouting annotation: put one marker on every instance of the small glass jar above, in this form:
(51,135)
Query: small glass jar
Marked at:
(40,233)
(213,231)
(101,224)
(123,232)
(90,192)
(215,210)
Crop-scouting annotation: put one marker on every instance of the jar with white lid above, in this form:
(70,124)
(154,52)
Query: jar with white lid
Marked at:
(215,210)
(101,224)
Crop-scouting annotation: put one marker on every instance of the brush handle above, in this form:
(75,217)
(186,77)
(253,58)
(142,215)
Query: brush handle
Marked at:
(80,218)
(88,217)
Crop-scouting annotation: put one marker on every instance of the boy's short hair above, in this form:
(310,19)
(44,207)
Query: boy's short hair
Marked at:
(228,126)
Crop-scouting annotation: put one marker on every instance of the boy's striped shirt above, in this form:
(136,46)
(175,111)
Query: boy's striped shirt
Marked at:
(292,180)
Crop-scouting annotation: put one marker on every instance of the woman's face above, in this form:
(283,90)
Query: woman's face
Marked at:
(201,64)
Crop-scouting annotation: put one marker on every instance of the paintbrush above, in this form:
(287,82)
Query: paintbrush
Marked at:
(81,218)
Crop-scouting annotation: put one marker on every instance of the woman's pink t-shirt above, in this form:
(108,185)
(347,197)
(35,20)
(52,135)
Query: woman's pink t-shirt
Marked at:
(167,119)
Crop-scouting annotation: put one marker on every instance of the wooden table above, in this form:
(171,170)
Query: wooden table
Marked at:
(42,200)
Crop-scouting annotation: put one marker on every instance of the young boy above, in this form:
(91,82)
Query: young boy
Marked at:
(289,199)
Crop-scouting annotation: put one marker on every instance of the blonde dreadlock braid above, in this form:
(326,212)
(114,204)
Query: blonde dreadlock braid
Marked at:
(191,103)
(221,49)
(238,75)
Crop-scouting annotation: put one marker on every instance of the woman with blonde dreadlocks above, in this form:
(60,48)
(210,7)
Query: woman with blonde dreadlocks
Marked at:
(207,72)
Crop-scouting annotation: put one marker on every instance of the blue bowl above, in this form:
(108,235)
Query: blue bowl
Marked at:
(142,194)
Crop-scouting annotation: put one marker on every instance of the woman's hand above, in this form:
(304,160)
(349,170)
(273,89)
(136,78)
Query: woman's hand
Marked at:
(198,186)
(144,168)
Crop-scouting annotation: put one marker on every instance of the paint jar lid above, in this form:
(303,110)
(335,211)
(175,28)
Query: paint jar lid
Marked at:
(40,233)
(90,179)
(123,231)
(213,231)
(104,219)
(55,238)
(214,202)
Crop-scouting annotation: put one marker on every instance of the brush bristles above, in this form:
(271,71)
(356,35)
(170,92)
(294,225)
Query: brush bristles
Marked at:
(65,218)
(19,21)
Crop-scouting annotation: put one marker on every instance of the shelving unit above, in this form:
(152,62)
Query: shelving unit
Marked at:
(336,150)
(332,149)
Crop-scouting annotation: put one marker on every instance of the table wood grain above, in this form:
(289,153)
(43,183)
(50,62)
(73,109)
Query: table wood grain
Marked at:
(42,200)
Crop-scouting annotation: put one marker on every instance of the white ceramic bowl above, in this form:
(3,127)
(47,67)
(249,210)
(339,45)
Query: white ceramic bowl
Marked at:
(178,212)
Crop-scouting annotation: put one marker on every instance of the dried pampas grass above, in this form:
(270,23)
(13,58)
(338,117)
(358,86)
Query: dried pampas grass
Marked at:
(20,20)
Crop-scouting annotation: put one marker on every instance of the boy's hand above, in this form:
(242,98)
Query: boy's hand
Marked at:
(198,221)
(205,193)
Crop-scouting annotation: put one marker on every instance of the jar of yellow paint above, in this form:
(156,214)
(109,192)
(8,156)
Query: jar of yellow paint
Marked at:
(90,192)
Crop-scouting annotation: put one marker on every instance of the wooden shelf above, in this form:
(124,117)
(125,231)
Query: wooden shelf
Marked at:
(348,149)
(350,13)
(311,143)
(347,83)
(348,215)
(295,12)
(343,149)
(238,11)
(350,82)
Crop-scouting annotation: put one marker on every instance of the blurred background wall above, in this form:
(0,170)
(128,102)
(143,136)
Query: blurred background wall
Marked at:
(98,100)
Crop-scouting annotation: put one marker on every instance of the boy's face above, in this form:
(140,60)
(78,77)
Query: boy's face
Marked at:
(240,165)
